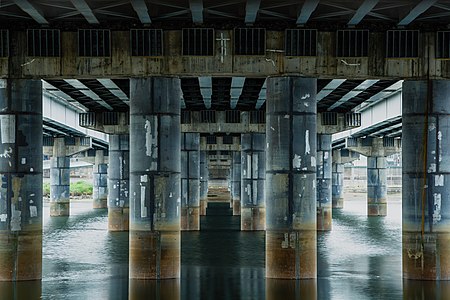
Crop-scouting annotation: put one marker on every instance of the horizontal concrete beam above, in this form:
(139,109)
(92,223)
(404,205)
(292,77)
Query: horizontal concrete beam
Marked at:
(374,146)
(274,62)
(73,146)
(332,122)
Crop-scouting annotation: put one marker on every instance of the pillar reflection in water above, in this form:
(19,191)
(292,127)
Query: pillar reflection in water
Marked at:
(21,290)
(424,290)
(291,289)
(167,289)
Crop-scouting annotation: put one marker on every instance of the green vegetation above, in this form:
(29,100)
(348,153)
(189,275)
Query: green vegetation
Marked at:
(78,188)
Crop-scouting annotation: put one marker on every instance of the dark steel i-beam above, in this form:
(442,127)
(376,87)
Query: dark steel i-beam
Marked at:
(21,173)
(155,178)
(291,178)
(426,180)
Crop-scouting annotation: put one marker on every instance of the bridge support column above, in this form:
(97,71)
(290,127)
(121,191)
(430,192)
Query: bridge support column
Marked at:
(426,180)
(190,181)
(324,159)
(337,180)
(376,186)
(100,186)
(155,178)
(59,180)
(203,182)
(291,178)
(21,174)
(253,164)
(236,182)
(118,182)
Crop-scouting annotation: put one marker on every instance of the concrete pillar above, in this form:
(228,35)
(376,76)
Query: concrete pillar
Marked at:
(426,179)
(324,159)
(59,180)
(236,182)
(190,181)
(21,174)
(291,178)
(203,182)
(100,179)
(155,178)
(118,182)
(337,180)
(253,159)
(376,186)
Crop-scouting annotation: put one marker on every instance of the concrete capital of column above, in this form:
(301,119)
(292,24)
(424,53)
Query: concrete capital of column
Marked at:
(66,146)
(106,122)
(373,146)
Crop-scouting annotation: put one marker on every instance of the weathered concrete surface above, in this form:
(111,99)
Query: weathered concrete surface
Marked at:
(118,182)
(236,183)
(21,174)
(253,167)
(426,177)
(291,178)
(203,182)
(59,180)
(324,210)
(340,157)
(155,192)
(100,179)
(190,181)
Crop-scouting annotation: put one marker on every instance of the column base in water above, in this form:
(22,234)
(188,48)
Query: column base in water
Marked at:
(291,254)
(60,209)
(378,208)
(118,219)
(21,255)
(430,262)
(236,207)
(190,218)
(100,203)
(203,206)
(324,218)
(253,218)
(338,203)
(154,254)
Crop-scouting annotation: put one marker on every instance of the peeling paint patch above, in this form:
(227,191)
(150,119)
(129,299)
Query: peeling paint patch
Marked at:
(306,104)
(8,129)
(16,219)
(23,161)
(296,161)
(313,161)
(306,96)
(432,168)
(437,208)
(286,116)
(431,127)
(3,217)
(144,178)
(439,180)
(143,207)
(33,211)
(307,146)
(6,153)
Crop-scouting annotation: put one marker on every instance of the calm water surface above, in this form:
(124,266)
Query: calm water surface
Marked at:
(359,259)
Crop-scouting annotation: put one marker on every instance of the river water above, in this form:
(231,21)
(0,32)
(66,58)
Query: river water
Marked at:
(359,259)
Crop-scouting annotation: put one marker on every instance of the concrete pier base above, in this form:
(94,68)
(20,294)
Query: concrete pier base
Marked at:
(291,134)
(253,165)
(118,182)
(190,181)
(21,176)
(376,186)
(155,178)
(100,180)
(426,180)
(324,209)
(236,183)
(59,180)
(337,180)
(203,183)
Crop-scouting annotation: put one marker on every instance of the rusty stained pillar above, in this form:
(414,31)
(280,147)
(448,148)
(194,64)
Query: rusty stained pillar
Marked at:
(426,179)
(190,181)
(324,209)
(253,160)
(100,180)
(236,183)
(291,133)
(155,178)
(21,174)
(118,182)
(376,186)
(204,175)
(59,180)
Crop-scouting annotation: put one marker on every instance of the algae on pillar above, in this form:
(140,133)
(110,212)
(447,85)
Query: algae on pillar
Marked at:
(155,167)
(21,175)
(291,251)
